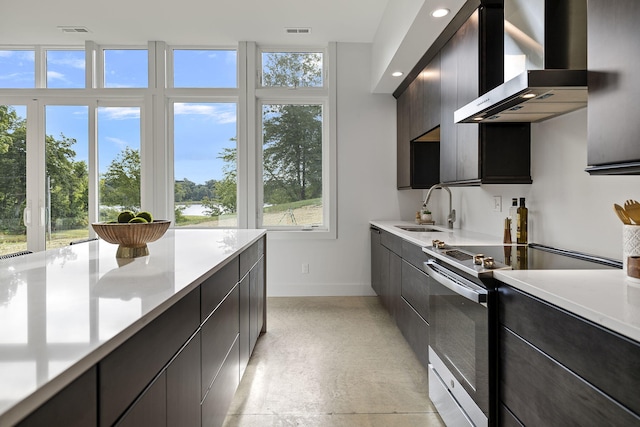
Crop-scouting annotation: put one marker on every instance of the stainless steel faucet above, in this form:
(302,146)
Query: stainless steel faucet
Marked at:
(452,212)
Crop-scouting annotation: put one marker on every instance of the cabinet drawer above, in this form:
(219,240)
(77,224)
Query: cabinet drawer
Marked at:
(218,334)
(217,286)
(541,392)
(415,289)
(125,372)
(391,241)
(250,256)
(183,386)
(150,409)
(605,359)
(415,331)
(75,406)
(413,254)
(216,403)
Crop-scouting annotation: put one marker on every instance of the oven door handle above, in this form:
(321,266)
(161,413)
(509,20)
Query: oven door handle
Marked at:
(478,295)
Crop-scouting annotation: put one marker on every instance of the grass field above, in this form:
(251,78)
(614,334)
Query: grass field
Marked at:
(298,213)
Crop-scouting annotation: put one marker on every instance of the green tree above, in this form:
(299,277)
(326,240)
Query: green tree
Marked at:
(13,161)
(67,178)
(68,184)
(292,69)
(227,188)
(292,152)
(120,184)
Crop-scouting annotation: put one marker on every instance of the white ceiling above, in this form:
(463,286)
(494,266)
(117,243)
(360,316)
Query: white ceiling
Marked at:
(224,23)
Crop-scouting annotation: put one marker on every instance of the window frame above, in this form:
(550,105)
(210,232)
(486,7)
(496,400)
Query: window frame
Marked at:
(185,99)
(298,49)
(326,96)
(171,63)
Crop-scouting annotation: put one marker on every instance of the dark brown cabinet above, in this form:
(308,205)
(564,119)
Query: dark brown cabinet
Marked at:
(150,408)
(556,368)
(75,406)
(418,118)
(183,386)
(470,64)
(614,88)
(397,279)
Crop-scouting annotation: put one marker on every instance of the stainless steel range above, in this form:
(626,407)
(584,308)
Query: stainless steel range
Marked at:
(463,321)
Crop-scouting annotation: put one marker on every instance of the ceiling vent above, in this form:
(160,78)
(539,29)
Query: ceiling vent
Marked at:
(298,30)
(74,29)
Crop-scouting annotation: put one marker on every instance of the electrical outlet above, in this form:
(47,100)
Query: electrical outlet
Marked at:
(497,203)
(305,268)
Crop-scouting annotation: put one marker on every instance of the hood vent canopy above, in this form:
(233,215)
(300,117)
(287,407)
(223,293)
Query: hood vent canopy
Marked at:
(545,64)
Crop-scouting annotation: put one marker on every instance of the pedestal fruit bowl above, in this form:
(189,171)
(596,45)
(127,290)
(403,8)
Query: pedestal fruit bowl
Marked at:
(131,237)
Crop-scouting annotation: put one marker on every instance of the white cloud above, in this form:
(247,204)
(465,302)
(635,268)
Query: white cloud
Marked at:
(121,113)
(219,113)
(54,75)
(70,62)
(121,143)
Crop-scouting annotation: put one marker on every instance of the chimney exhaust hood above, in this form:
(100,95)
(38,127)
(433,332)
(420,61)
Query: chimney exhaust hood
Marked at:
(545,64)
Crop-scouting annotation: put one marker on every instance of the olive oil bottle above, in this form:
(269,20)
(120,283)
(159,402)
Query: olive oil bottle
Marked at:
(522,217)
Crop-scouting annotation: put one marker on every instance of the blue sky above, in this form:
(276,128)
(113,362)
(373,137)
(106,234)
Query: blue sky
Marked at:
(201,129)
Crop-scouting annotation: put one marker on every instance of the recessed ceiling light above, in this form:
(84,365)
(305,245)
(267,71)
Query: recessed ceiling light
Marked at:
(397,73)
(529,95)
(478,118)
(439,13)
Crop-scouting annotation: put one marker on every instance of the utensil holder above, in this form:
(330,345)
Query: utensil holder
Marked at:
(630,243)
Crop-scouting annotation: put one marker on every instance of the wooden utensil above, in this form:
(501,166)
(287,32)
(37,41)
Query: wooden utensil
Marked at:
(632,208)
(622,214)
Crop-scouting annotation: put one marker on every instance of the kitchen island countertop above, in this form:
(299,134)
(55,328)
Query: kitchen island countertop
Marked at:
(63,310)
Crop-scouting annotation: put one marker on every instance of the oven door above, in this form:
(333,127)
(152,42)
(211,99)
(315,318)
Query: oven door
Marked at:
(459,343)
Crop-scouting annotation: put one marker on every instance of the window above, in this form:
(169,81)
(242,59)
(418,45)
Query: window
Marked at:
(126,68)
(17,69)
(118,160)
(297,175)
(205,171)
(292,69)
(205,68)
(292,165)
(65,68)
(67,174)
(13,178)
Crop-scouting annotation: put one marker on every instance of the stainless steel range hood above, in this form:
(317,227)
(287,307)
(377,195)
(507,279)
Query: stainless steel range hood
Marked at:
(545,64)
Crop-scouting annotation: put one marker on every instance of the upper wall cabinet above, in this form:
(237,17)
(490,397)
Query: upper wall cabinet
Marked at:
(614,88)
(418,118)
(471,63)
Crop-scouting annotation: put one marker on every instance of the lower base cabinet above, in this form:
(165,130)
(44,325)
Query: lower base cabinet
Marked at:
(75,406)
(217,401)
(151,407)
(181,369)
(183,386)
(557,369)
(398,280)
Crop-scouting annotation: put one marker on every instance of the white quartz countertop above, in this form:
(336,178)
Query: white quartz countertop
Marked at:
(63,310)
(606,297)
(452,237)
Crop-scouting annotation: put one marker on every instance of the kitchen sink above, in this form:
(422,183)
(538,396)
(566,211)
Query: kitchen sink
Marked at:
(417,228)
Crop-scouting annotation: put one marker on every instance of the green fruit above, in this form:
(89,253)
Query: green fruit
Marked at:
(137,220)
(146,215)
(125,216)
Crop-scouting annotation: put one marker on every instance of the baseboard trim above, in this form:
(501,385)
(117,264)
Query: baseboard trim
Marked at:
(319,289)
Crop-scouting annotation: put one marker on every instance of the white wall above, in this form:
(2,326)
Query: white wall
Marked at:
(568,208)
(366,135)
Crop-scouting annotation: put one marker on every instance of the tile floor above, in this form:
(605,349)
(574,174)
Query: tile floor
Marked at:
(332,362)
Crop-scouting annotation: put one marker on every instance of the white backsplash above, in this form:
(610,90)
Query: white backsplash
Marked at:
(568,208)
